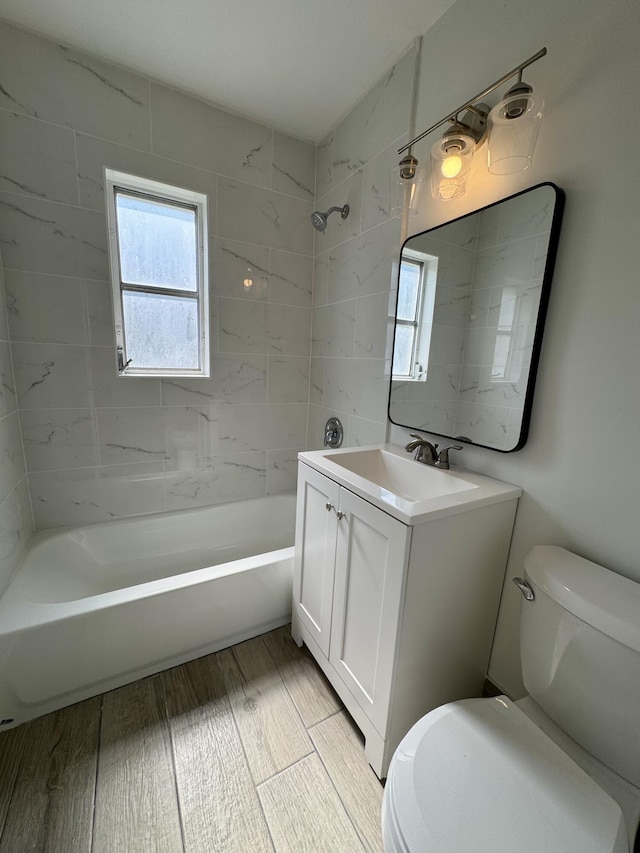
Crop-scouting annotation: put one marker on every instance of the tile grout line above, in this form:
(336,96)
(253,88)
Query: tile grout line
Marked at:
(331,782)
(295,708)
(284,684)
(308,729)
(244,751)
(342,803)
(173,760)
(286,769)
(13,787)
(95,786)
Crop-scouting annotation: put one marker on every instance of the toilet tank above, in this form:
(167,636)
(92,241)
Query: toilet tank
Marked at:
(580,649)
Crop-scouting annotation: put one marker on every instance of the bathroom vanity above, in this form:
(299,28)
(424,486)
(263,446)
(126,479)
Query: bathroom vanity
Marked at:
(397,579)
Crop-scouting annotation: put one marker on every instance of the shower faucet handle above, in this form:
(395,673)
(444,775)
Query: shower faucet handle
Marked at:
(333,433)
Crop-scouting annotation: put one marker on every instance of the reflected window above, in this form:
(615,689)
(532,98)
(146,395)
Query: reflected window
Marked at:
(512,346)
(158,253)
(414,315)
(410,287)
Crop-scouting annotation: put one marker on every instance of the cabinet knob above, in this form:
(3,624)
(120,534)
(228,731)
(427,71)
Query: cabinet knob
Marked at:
(329,506)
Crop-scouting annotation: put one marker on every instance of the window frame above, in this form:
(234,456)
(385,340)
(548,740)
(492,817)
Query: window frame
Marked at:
(423,321)
(414,324)
(159,192)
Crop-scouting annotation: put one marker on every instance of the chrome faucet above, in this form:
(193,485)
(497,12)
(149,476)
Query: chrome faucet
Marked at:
(427,453)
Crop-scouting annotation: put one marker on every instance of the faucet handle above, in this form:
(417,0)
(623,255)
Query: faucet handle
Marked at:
(420,439)
(443,456)
(420,446)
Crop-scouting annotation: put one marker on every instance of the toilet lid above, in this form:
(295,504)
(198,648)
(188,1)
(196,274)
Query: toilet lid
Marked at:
(479,775)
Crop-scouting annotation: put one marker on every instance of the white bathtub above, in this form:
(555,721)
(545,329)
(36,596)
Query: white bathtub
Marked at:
(92,608)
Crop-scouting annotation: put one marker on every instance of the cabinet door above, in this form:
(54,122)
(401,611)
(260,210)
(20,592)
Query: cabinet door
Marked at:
(371,559)
(316,521)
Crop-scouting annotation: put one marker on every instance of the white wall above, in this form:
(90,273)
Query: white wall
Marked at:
(580,469)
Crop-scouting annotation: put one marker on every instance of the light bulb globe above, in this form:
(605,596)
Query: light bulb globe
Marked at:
(452,166)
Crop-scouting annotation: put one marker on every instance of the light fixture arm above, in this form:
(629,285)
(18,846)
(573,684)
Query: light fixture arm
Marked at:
(469,105)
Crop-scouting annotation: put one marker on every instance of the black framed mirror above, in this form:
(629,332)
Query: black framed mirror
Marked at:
(471,303)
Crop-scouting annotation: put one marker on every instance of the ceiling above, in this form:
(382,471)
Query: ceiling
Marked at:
(296,65)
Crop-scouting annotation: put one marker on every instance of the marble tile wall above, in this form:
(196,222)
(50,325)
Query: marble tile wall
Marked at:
(355,263)
(99,446)
(486,265)
(431,406)
(509,268)
(16,520)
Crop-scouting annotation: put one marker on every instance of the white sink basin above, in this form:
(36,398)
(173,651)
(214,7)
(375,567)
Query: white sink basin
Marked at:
(406,478)
(412,492)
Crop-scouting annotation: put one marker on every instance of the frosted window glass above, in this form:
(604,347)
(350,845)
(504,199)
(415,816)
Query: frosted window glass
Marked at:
(508,304)
(157,243)
(408,290)
(162,331)
(402,350)
(500,356)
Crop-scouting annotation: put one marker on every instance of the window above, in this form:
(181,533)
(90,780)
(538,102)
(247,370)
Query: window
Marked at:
(158,253)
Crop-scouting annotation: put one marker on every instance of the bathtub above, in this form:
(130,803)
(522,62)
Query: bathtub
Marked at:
(92,608)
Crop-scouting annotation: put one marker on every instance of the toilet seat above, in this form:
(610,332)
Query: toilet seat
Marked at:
(480,775)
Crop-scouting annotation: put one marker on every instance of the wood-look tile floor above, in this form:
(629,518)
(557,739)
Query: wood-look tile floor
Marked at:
(244,751)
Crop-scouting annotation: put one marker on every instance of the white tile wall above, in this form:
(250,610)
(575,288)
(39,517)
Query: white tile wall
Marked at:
(462,396)
(46,308)
(218,142)
(356,263)
(37,159)
(87,495)
(99,445)
(59,438)
(16,520)
(512,244)
(70,89)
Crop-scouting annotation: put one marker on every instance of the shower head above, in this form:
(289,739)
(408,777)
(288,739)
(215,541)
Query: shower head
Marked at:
(319,220)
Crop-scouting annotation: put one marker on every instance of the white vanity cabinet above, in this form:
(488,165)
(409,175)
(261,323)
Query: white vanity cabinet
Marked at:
(400,617)
(348,580)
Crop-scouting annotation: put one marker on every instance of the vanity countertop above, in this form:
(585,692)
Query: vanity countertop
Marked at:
(389,478)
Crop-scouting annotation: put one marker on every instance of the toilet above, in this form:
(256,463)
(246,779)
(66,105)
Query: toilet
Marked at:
(557,771)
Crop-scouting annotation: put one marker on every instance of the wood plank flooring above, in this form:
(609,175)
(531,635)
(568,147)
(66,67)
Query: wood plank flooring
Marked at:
(245,751)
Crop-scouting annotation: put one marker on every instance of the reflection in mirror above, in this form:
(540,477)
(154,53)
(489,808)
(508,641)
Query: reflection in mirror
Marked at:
(471,301)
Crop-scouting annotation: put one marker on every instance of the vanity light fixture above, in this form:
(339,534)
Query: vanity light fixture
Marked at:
(406,186)
(511,126)
(513,129)
(451,156)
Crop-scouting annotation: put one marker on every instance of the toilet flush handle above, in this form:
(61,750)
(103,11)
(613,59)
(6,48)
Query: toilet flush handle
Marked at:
(524,588)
